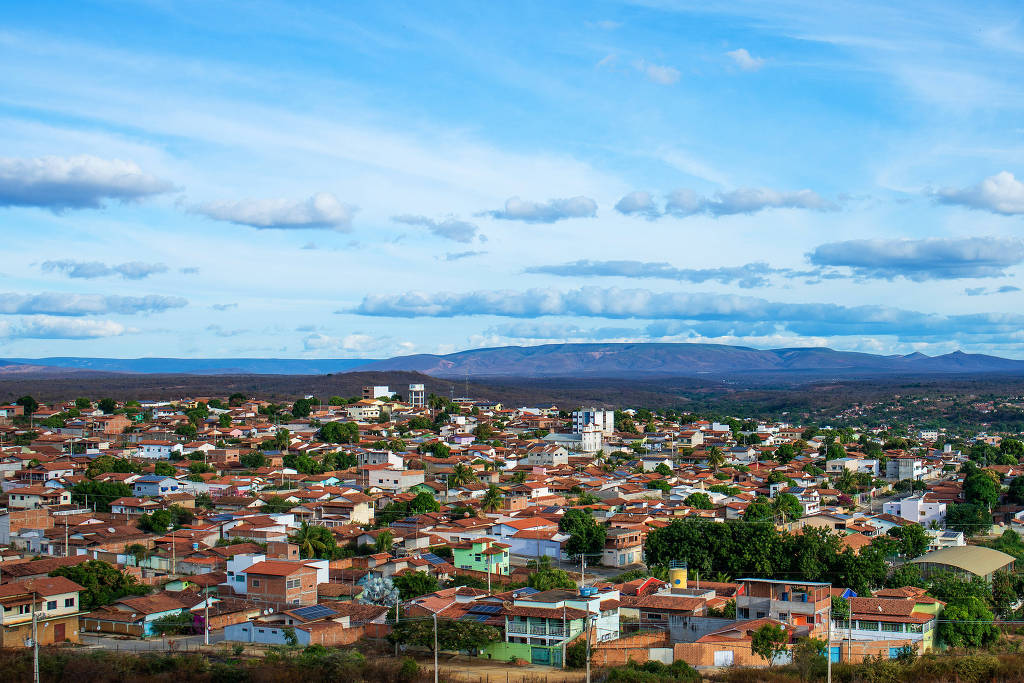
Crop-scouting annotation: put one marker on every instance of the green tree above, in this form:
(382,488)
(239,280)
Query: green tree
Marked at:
(339,432)
(384,542)
(99,493)
(177,623)
(275,504)
(101,583)
(253,460)
(784,453)
(452,634)
(83,403)
(968,518)
(586,536)
(493,499)
(715,458)
(701,501)
(315,541)
(967,624)
(768,642)
(913,541)
(107,405)
(663,469)
(29,404)
(840,608)
(981,488)
(461,475)
(809,658)
(545,577)
(423,502)
(414,584)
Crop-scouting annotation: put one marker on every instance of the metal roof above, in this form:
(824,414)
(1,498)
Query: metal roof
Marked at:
(975,559)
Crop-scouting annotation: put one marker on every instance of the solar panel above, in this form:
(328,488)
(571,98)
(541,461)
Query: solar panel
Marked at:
(527,591)
(314,612)
(474,617)
(432,558)
(485,609)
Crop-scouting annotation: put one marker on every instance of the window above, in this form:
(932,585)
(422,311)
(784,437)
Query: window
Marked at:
(255,583)
(293,583)
(51,604)
(892,628)
(69,602)
(867,625)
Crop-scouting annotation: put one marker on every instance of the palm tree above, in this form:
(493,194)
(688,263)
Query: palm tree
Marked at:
(308,540)
(716,458)
(493,499)
(461,475)
(138,551)
(384,542)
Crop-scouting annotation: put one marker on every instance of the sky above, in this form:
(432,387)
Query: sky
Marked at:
(366,179)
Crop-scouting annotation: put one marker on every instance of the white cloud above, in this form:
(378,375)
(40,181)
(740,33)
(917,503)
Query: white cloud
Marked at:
(1001,193)
(132,270)
(60,303)
(517,209)
(49,327)
(638,203)
(686,202)
(322,211)
(745,60)
(663,75)
(449,228)
(920,260)
(80,182)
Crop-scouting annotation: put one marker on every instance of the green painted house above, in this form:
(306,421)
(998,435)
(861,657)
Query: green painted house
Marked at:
(539,624)
(482,555)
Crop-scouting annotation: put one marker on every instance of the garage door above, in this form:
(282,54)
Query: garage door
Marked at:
(723,658)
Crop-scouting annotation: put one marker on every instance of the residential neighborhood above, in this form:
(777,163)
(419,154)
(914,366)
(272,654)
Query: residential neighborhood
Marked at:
(307,523)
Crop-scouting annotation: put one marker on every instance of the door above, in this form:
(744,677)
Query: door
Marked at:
(58,633)
(540,655)
(723,658)
(834,652)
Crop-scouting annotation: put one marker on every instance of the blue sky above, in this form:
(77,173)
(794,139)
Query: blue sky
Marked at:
(304,179)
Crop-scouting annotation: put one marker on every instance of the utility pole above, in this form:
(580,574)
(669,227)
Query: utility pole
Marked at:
(435,648)
(565,634)
(828,648)
(35,642)
(206,621)
(589,627)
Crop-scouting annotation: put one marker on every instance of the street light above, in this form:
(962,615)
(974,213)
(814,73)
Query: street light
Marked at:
(434,613)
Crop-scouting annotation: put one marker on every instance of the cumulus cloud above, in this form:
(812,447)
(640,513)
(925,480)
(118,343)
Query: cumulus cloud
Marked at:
(322,211)
(355,343)
(64,304)
(1001,193)
(549,330)
(81,182)
(822,319)
(223,332)
(985,291)
(49,327)
(449,228)
(920,260)
(517,209)
(745,60)
(132,270)
(662,75)
(456,256)
(748,275)
(638,203)
(748,200)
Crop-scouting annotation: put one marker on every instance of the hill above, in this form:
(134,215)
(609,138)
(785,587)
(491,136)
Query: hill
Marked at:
(684,360)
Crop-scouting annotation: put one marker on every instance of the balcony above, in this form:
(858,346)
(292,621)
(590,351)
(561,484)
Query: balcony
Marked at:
(538,631)
(513,627)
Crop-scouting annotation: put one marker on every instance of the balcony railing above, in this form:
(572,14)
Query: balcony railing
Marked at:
(538,631)
(516,628)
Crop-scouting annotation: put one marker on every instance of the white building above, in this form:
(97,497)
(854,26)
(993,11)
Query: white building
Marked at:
(916,509)
(866,465)
(604,420)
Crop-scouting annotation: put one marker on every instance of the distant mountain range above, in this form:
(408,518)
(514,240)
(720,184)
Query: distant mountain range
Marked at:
(620,361)
(683,360)
(183,366)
